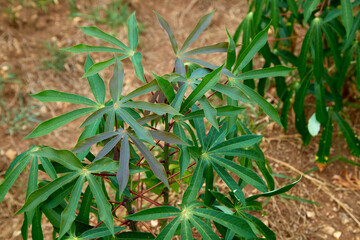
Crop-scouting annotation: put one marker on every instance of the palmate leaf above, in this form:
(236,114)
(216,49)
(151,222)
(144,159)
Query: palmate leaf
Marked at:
(40,195)
(96,83)
(96,32)
(57,96)
(104,207)
(98,113)
(200,27)
(68,215)
(103,165)
(155,165)
(220,111)
(235,223)
(352,140)
(116,81)
(154,213)
(89,130)
(48,167)
(56,122)
(224,71)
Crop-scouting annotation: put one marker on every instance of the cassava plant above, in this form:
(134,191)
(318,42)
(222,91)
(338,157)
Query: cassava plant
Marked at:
(321,39)
(112,194)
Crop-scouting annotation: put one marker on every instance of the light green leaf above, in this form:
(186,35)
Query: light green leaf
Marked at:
(132,32)
(48,167)
(99,232)
(116,81)
(154,213)
(205,230)
(155,165)
(205,85)
(40,195)
(56,96)
(13,175)
(167,28)
(158,108)
(68,215)
(169,230)
(56,122)
(255,45)
(96,32)
(219,47)
(309,6)
(136,60)
(186,233)
(277,71)
(235,223)
(83,48)
(259,100)
(64,157)
(103,205)
(96,83)
(150,87)
(201,26)
(244,173)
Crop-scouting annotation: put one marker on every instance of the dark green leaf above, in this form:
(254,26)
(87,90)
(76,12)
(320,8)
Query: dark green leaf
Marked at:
(169,230)
(219,47)
(276,71)
(237,142)
(347,15)
(116,81)
(86,203)
(167,137)
(186,233)
(122,174)
(56,96)
(132,32)
(351,35)
(96,115)
(99,232)
(96,83)
(83,48)
(159,108)
(275,13)
(205,230)
(108,147)
(309,6)
(150,87)
(233,93)
(268,234)
(209,111)
(166,26)
(136,60)
(165,87)
(318,49)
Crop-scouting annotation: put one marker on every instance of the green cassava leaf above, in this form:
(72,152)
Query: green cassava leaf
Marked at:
(347,15)
(149,87)
(88,142)
(277,71)
(99,232)
(159,108)
(136,60)
(133,35)
(96,83)
(104,207)
(167,28)
(56,122)
(237,142)
(205,230)
(219,47)
(169,231)
(122,174)
(167,137)
(309,6)
(154,213)
(165,87)
(56,96)
(116,81)
(83,48)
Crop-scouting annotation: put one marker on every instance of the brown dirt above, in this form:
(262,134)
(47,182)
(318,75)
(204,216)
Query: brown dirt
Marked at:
(22,50)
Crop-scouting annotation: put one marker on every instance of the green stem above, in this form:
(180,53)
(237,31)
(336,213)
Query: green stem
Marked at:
(130,211)
(166,166)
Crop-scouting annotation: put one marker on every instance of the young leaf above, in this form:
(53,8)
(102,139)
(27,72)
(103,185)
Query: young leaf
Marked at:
(205,85)
(235,223)
(103,205)
(96,83)
(167,28)
(136,60)
(56,122)
(56,96)
(132,32)
(68,215)
(96,32)
(154,213)
(122,174)
(155,165)
(40,195)
(201,26)
(116,81)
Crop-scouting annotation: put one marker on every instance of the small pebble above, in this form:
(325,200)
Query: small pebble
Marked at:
(337,234)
